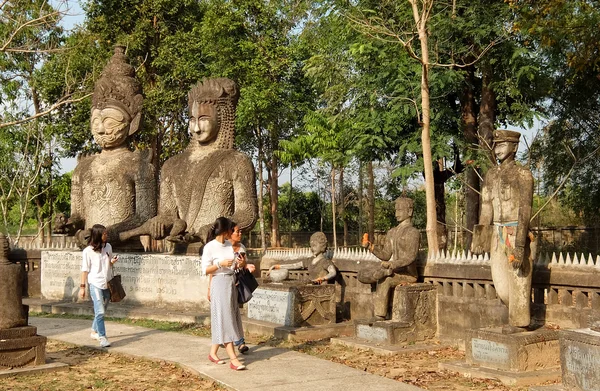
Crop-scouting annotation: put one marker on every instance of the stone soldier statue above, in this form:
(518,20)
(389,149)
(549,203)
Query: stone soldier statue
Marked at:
(209,179)
(117,187)
(507,197)
(320,269)
(12,313)
(398,258)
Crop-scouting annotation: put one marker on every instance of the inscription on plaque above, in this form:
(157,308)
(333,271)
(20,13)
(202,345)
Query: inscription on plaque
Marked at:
(272,306)
(489,351)
(582,365)
(371,333)
(150,279)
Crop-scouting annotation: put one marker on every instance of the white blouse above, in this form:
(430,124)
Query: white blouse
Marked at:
(97,264)
(215,252)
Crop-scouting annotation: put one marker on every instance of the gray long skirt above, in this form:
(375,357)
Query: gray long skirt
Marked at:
(226,321)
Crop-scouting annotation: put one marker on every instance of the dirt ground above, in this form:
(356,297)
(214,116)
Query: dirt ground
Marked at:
(92,369)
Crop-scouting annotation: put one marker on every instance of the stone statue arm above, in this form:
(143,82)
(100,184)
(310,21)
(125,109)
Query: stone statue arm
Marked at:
(244,189)
(384,252)
(290,266)
(486,216)
(77,219)
(145,203)
(522,231)
(409,249)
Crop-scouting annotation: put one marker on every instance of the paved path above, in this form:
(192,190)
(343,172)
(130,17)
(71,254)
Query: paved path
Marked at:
(268,368)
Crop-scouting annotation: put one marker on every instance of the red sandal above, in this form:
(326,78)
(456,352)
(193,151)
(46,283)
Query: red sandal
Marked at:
(216,360)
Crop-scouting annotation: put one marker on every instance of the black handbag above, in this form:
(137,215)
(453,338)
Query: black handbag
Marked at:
(117,293)
(246,284)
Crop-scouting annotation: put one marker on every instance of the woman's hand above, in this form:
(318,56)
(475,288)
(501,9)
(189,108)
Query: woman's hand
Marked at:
(242,261)
(251,267)
(225,263)
(82,292)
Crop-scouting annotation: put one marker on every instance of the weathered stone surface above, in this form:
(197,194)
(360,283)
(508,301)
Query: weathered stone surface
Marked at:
(11,290)
(520,352)
(23,349)
(150,279)
(580,359)
(293,304)
(416,304)
(18,332)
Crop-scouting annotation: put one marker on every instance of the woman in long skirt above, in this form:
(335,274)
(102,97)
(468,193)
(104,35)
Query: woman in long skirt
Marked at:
(226,323)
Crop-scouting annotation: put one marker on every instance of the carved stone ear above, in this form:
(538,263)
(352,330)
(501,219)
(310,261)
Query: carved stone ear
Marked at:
(135,124)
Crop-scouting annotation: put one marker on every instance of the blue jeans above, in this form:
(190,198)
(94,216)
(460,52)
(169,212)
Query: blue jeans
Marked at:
(241,341)
(100,298)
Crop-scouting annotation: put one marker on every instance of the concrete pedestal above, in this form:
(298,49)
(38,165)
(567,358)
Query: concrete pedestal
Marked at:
(293,304)
(21,347)
(524,358)
(580,359)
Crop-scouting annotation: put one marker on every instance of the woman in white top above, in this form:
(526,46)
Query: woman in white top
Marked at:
(226,321)
(96,270)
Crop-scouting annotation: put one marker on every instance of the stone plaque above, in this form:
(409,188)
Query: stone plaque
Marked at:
(371,333)
(273,306)
(489,351)
(148,279)
(580,354)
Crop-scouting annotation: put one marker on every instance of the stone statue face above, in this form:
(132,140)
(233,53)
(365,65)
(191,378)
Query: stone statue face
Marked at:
(110,126)
(317,247)
(204,124)
(403,212)
(505,150)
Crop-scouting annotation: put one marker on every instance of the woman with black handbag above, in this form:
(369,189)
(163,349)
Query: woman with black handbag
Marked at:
(96,264)
(218,259)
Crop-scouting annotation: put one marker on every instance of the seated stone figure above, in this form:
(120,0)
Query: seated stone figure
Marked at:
(209,179)
(117,187)
(320,269)
(398,258)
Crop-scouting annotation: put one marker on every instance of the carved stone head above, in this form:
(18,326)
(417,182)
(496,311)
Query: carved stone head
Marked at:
(4,250)
(506,143)
(318,243)
(116,102)
(404,208)
(212,104)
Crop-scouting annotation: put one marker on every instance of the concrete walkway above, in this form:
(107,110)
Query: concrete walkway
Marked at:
(268,368)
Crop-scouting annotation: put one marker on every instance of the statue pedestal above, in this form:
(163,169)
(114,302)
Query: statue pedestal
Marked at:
(21,347)
(414,317)
(293,304)
(580,359)
(524,358)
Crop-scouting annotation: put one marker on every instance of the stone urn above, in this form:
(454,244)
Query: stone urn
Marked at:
(278,275)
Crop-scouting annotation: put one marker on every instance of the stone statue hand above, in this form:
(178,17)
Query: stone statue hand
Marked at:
(515,258)
(317,281)
(274,267)
(365,240)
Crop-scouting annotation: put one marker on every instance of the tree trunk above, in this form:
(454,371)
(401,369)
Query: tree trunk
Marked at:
(333,206)
(274,196)
(469,124)
(487,112)
(290,206)
(360,200)
(261,184)
(343,207)
(371,201)
(421,23)
(440,178)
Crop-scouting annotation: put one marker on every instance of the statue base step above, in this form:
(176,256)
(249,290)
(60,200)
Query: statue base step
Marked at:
(27,371)
(21,347)
(508,378)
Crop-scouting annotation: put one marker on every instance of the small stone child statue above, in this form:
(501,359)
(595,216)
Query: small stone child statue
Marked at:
(320,269)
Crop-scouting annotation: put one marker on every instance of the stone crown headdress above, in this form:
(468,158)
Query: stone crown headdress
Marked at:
(510,136)
(217,90)
(117,86)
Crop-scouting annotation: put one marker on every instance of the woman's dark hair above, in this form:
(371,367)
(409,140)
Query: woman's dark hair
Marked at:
(96,237)
(219,227)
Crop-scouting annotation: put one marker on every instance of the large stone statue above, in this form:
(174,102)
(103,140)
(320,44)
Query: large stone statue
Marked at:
(507,197)
(320,269)
(11,290)
(398,258)
(116,188)
(209,179)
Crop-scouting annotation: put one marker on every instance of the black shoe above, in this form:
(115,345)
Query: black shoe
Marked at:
(243,348)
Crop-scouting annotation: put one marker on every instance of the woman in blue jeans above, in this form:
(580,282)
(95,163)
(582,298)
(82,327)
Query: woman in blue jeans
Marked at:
(96,271)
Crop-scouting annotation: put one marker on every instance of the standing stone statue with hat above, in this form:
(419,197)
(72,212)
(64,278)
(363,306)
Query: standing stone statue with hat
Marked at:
(503,229)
